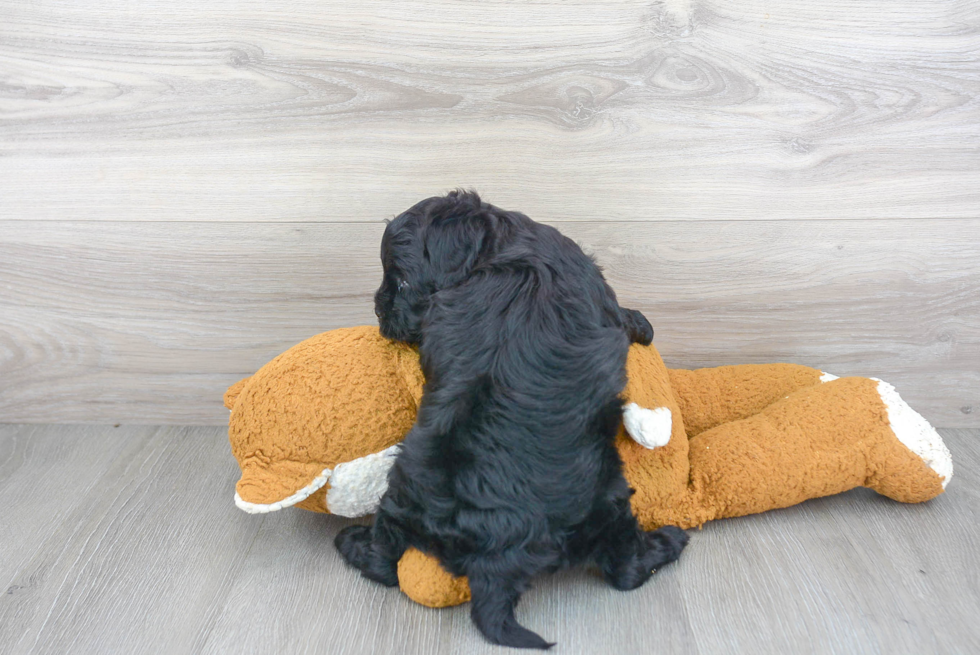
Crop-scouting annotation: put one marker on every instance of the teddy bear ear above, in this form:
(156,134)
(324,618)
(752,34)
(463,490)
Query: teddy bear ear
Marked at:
(650,428)
(234,391)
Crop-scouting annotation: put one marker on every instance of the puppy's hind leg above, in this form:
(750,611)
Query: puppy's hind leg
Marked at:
(495,592)
(374,550)
(627,555)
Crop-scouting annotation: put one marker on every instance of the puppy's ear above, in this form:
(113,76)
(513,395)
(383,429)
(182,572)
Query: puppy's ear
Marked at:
(454,239)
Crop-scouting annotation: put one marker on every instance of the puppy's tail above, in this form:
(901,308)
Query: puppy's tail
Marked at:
(492,610)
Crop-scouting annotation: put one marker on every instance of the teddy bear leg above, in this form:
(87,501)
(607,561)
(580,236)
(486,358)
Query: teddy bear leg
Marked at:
(709,397)
(819,441)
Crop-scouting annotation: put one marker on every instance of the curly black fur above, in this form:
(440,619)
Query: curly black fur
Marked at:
(510,469)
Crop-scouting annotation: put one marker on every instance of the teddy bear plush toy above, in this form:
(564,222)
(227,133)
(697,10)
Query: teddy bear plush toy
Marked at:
(318,427)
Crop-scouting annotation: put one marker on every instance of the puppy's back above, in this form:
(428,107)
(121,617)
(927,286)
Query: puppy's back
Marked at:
(524,374)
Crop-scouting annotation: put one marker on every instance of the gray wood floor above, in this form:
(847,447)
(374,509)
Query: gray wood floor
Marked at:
(125,540)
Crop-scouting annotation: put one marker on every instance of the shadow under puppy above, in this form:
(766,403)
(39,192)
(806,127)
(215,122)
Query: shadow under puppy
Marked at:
(510,468)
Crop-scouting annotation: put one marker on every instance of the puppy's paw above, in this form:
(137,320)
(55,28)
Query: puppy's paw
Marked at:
(655,549)
(354,544)
(638,327)
(664,546)
(358,550)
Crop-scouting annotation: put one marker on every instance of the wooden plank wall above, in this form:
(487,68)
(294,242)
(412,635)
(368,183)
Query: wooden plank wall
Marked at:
(187,189)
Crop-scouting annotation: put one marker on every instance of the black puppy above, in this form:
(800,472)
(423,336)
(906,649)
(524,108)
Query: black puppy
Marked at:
(510,469)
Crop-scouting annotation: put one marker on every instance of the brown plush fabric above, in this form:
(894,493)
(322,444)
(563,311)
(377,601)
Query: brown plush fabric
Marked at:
(743,439)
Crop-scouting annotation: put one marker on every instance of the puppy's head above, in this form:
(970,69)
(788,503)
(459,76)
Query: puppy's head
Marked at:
(434,245)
